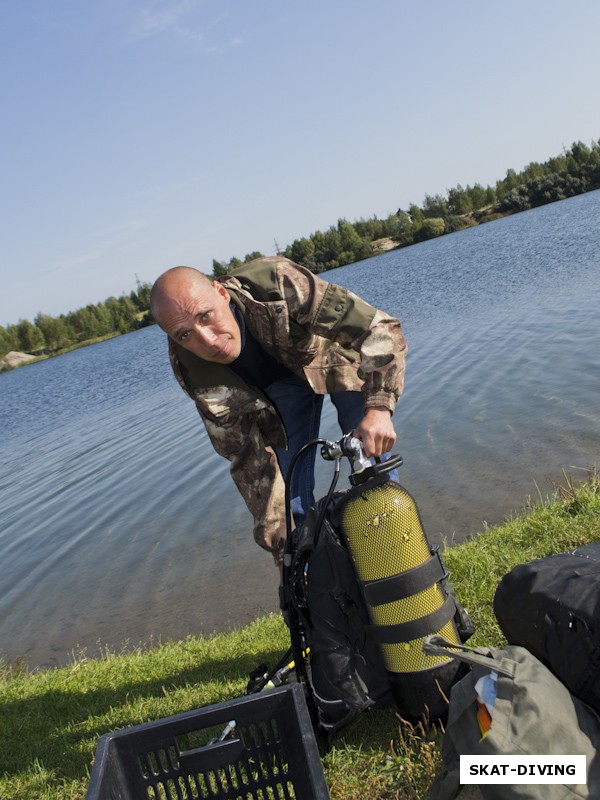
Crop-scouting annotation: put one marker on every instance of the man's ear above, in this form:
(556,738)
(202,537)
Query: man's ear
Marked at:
(221,289)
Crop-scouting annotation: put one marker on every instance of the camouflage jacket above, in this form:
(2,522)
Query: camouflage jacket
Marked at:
(320,331)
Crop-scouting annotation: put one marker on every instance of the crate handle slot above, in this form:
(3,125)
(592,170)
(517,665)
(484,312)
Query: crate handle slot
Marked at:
(211,756)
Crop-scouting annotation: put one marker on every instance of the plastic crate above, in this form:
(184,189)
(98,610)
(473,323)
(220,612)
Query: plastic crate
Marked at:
(270,754)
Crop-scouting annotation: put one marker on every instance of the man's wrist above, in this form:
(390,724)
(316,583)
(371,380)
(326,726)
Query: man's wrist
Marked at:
(378,409)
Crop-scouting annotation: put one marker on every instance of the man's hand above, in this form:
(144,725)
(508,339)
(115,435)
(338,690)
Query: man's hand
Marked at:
(277,544)
(376,431)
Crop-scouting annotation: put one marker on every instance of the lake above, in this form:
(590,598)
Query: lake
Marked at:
(119,525)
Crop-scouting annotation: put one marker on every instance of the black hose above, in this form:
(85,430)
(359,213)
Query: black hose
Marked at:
(325,505)
(293,617)
(260,683)
(288,488)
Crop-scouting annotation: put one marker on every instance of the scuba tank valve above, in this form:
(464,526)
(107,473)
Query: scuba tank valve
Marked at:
(349,446)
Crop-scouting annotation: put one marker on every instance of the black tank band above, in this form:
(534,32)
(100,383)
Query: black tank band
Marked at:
(404,584)
(415,628)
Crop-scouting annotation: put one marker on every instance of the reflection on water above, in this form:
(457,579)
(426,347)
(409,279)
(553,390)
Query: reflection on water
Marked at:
(119,523)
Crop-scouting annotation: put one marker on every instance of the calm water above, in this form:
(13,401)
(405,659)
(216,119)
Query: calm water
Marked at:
(118,524)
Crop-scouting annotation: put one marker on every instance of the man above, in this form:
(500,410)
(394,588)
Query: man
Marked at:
(257,350)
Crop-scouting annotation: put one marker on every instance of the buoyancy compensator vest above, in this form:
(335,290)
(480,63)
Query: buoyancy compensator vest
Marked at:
(345,670)
(365,588)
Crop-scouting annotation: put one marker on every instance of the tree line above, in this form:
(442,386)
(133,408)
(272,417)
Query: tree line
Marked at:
(47,335)
(575,171)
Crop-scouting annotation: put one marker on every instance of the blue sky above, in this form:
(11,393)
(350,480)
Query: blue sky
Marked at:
(141,134)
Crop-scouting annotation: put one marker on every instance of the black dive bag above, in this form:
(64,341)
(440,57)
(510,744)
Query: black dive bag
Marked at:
(551,606)
(329,621)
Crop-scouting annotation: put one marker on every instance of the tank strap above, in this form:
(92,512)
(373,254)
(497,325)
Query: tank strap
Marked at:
(404,584)
(415,628)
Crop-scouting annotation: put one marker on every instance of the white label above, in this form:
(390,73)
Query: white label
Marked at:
(567,770)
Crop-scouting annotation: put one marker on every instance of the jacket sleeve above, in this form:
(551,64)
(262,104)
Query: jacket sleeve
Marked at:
(253,465)
(338,314)
(256,473)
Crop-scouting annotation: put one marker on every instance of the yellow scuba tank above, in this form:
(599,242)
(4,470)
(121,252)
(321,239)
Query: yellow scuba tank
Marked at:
(404,585)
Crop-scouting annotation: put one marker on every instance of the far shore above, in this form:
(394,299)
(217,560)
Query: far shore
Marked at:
(16,358)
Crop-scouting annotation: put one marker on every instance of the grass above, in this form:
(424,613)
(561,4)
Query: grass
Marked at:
(50,720)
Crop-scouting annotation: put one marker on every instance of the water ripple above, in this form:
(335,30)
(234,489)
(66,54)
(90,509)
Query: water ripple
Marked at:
(119,522)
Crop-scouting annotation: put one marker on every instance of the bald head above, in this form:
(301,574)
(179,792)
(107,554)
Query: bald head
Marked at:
(172,284)
(194,311)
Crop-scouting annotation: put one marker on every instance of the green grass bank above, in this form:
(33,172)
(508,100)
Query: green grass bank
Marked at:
(50,720)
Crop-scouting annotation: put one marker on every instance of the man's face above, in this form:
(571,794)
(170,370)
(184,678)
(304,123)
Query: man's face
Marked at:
(195,313)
